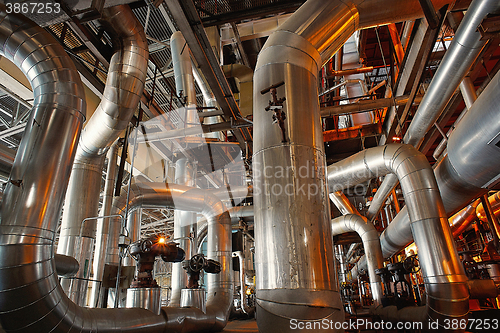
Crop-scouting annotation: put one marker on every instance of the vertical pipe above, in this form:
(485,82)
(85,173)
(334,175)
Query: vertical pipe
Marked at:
(134,232)
(294,258)
(184,232)
(103,225)
(122,93)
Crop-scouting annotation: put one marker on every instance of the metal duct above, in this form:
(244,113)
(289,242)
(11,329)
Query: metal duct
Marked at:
(495,205)
(133,227)
(184,79)
(461,54)
(236,213)
(32,299)
(343,204)
(65,265)
(184,232)
(122,93)
(220,286)
(444,276)
(103,225)
(291,274)
(209,101)
(371,244)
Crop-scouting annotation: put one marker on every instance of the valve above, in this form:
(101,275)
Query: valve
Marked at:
(276,105)
(195,265)
(145,252)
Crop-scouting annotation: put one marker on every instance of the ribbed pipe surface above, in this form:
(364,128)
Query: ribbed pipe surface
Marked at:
(293,54)
(443,273)
(371,243)
(32,300)
(121,96)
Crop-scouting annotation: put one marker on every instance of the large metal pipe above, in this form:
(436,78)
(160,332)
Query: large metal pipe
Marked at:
(236,213)
(32,299)
(220,286)
(460,56)
(103,225)
(343,204)
(371,243)
(184,79)
(122,93)
(293,54)
(133,226)
(184,232)
(444,276)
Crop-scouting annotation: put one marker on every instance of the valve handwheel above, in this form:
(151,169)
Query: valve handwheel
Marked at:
(197,262)
(411,264)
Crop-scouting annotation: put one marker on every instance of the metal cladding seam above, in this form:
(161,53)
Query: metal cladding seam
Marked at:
(121,97)
(293,54)
(444,277)
(31,297)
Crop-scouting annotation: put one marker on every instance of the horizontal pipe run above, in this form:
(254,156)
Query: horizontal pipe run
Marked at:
(366,105)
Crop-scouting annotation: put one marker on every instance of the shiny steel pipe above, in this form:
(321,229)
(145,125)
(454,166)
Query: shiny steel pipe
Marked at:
(293,54)
(495,205)
(32,299)
(184,79)
(286,224)
(460,56)
(209,101)
(444,276)
(219,286)
(103,225)
(121,96)
(133,226)
(65,265)
(184,232)
(371,243)
(343,204)
(236,213)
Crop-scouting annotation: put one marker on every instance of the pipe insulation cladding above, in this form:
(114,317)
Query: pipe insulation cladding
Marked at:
(294,257)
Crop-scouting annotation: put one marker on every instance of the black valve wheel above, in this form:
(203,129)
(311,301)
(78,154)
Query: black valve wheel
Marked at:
(411,264)
(197,263)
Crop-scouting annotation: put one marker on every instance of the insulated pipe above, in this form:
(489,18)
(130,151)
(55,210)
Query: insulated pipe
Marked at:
(294,54)
(463,219)
(495,205)
(220,286)
(371,244)
(121,96)
(444,276)
(65,265)
(236,213)
(184,79)
(209,101)
(133,226)
(343,204)
(184,232)
(461,54)
(103,227)
(32,299)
